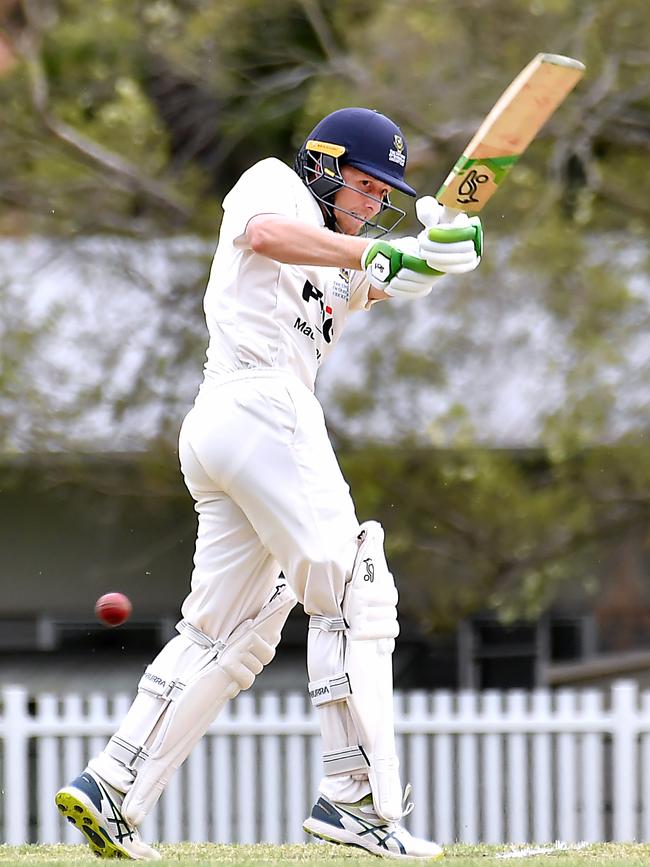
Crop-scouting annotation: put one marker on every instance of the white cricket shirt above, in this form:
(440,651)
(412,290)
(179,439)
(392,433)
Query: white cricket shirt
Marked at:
(262,314)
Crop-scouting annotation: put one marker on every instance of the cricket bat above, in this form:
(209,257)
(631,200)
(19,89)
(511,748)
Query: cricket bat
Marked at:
(518,115)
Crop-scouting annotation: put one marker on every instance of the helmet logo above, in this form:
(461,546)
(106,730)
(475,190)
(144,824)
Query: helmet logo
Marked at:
(396,153)
(325,147)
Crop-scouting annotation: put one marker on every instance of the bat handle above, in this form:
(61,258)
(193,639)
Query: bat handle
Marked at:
(430,213)
(451,215)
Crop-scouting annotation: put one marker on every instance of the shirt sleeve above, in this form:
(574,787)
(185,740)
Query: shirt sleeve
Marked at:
(359,288)
(265,188)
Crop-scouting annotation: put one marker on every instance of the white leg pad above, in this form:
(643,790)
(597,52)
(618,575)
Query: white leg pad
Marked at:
(362,688)
(182,692)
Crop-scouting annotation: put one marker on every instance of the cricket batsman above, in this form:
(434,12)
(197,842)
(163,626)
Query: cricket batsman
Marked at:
(295,258)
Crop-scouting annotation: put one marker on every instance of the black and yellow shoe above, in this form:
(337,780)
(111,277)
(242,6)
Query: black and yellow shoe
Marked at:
(94,808)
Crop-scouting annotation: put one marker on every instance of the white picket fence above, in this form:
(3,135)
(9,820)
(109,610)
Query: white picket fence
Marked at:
(488,767)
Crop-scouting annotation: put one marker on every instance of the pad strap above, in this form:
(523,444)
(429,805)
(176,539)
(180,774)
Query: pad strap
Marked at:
(198,637)
(329,689)
(327,624)
(345,761)
(155,685)
(126,753)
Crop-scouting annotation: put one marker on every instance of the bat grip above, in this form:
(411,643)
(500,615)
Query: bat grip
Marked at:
(431,213)
(448,215)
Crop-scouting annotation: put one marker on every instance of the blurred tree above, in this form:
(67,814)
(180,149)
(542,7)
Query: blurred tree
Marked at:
(133,117)
(154,99)
(474,530)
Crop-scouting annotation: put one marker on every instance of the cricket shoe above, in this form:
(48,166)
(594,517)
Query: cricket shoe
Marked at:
(359,825)
(94,808)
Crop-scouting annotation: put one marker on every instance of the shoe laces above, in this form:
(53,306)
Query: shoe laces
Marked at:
(407,805)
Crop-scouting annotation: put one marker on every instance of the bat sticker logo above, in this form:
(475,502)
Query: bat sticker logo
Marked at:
(469,186)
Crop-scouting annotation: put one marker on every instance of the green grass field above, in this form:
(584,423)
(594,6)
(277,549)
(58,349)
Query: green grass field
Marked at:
(608,854)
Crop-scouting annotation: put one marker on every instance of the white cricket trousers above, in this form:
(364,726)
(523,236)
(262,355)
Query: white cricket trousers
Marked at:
(270,497)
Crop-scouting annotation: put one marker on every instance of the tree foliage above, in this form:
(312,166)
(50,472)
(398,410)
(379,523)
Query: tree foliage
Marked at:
(472,530)
(184,95)
(134,117)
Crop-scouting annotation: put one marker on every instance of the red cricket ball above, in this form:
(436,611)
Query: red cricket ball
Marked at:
(113,608)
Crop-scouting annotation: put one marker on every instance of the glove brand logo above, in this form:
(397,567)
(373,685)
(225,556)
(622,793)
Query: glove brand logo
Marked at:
(322,690)
(309,291)
(370,570)
(469,186)
(396,153)
(379,266)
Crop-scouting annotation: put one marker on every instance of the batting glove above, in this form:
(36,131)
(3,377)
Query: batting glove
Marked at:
(397,268)
(451,247)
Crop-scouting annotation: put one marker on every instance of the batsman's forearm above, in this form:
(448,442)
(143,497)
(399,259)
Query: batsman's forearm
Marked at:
(296,243)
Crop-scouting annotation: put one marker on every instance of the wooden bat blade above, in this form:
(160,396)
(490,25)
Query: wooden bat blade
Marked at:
(517,116)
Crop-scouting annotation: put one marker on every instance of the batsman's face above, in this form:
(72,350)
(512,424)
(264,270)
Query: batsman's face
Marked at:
(354,203)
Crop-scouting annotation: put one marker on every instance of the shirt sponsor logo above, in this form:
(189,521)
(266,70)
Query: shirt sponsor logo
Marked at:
(310,291)
(304,328)
(341,285)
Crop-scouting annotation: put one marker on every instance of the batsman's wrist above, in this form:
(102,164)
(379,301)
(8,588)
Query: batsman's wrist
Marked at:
(381,261)
(374,249)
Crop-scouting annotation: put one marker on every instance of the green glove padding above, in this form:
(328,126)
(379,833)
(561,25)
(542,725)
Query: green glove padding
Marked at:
(471,232)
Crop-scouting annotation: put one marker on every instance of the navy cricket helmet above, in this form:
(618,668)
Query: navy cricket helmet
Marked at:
(358,137)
